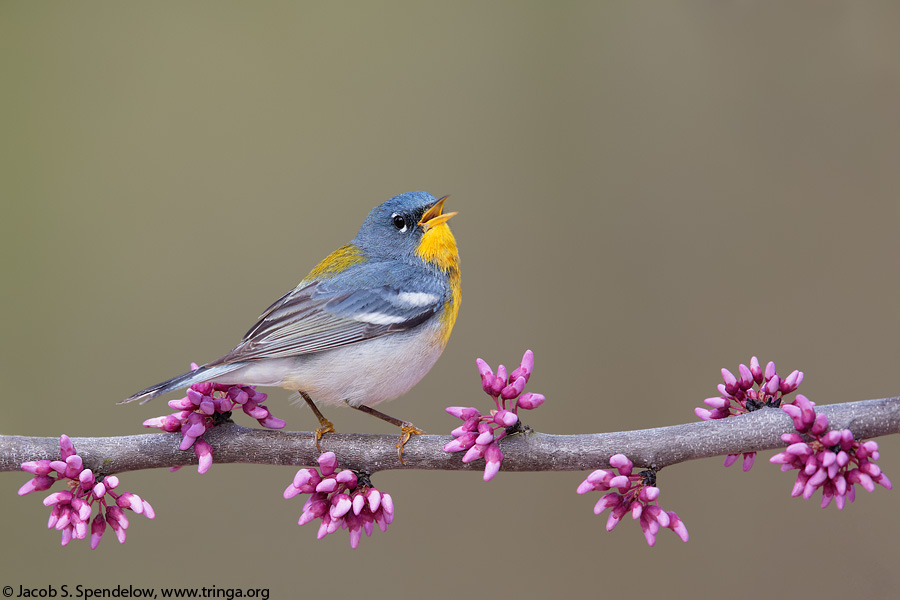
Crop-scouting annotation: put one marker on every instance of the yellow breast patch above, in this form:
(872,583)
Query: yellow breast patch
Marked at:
(438,247)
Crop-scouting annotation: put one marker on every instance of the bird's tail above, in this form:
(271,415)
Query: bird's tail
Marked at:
(182,381)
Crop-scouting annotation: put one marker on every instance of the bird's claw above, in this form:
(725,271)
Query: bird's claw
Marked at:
(407,431)
(325,426)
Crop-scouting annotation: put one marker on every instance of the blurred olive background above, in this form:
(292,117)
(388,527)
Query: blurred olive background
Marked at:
(647,192)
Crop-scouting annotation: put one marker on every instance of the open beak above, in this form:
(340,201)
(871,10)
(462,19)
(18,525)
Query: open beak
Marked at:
(434,217)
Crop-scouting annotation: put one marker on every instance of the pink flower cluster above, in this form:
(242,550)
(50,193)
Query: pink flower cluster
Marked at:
(72,508)
(636,493)
(341,499)
(751,390)
(207,405)
(479,434)
(830,460)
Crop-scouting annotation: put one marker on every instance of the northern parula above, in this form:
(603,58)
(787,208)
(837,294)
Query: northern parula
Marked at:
(363,327)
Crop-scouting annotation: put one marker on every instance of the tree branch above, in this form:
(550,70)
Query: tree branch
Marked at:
(532,451)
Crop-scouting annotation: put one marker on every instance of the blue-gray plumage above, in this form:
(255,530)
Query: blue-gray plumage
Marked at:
(365,325)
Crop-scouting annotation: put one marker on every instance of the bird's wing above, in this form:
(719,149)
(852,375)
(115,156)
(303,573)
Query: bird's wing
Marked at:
(325,314)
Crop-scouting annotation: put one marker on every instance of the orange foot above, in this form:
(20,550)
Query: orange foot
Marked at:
(325,426)
(407,431)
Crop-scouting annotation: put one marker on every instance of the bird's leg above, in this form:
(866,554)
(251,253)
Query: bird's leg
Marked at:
(325,426)
(407,429)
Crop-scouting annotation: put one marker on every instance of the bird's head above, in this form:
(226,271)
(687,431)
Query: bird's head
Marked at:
(410,225)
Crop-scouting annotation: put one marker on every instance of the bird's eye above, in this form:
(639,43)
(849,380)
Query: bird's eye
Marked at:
(399,222)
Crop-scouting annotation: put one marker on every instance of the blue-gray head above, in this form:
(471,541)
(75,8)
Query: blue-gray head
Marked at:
(398,227)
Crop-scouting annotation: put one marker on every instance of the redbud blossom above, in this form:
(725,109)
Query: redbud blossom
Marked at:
(203,408)
(479,434)
(72,508)
(636,494)
(341,500)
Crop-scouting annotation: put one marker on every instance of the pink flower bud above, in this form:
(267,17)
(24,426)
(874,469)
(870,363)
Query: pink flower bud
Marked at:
(749,457)
(99,490)
(74,464)
(506,418)
(359,503)
(255,411)
(327,463)
(66,447)
(487,376)
(38,484)
(348,478)
(340,505)
(326,486)
(730,381)
(791,382)
(500,381)
(290,491)
(600,477)
(842,459)
(782,458)
(37,467)
(271,422)
(584,487)
(98,527)
(831,438)
(117,529)
(238,395)
(616,515)
(194,397)
(870,468)
(657,514)
(86,478)
(203,450)
(474,453)
(463,412)
(703,413)
(186,441)
(717,402)
(485,438)
(746,377)
(756,370)
(530,401)
(469,426)
(619,481)
(196,426)
(63,497)
(771,387)
(622,463)
(799,449)
(677,525)
(204,389)
(179,404)
(637,509)
(649,494)
(820,425)
(493,457)
(463,442)
(525,367)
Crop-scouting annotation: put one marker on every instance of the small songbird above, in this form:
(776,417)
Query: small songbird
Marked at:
(363,327)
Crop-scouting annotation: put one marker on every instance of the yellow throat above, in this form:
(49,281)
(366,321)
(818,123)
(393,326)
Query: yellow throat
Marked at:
(438,247)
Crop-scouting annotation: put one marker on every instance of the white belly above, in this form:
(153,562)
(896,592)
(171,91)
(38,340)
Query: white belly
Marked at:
(367,373)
